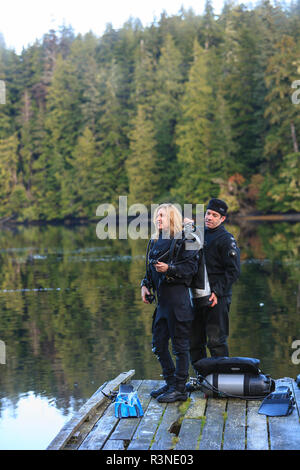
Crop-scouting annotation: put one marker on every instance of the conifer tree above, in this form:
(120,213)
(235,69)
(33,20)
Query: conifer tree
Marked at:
(83,57)
(281,192)
(8,174)
(62,125)
(112,140)
(86,176)
(194,135)
(211,32)
(244,88)
(144,78)
(166,111)
(141,165)
(283,69)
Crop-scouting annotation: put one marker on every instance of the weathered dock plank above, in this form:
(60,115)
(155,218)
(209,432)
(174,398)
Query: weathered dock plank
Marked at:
(257,427)
(235,425)
(144,436)
(197,406)
(285,430)
(192,423)
(86,427)
(189,434)
(212,432)
(88,410)
(101,431)
(145,431)
(164,439)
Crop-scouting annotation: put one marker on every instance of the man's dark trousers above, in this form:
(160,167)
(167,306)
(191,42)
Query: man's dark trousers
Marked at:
(210,330)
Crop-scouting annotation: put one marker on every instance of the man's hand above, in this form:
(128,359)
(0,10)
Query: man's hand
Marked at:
(145,292)
(214,299)
(188,221)
(161,267)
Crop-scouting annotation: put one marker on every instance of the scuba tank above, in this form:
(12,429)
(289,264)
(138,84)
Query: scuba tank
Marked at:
(238,377)
(200,297)
(237,385)
(200,288)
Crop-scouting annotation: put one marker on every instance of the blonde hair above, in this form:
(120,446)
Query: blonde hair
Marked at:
(174,218)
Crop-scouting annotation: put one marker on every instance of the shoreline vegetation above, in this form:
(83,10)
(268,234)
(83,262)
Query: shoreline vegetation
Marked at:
(237,218)
(188,108)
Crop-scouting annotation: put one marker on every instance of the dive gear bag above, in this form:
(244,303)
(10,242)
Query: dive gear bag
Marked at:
(238,377)
(227,365)
(127,404)
(278,403)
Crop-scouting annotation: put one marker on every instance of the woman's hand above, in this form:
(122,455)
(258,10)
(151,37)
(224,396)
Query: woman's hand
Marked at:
(161,267)
(145,292)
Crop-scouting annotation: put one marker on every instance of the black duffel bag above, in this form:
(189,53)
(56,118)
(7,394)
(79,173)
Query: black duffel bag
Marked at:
(227,365)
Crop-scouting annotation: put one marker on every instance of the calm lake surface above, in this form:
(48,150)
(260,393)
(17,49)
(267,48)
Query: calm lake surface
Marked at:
(71,318)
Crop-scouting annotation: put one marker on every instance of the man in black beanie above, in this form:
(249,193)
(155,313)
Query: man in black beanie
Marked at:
(211,323)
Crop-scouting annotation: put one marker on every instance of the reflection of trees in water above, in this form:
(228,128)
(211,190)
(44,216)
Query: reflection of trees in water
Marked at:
(64,343)
(265,314)
(86,332)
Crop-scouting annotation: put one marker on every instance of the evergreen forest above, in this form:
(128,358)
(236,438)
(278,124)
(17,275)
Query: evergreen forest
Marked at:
(187,108)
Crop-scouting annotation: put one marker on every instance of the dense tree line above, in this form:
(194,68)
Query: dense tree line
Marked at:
(191,107)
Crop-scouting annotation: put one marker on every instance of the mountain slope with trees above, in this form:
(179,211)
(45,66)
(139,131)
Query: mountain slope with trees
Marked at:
(188,108)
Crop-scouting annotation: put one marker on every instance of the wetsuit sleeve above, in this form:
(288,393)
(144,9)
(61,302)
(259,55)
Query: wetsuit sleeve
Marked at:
(186,264)
(147,281)
(230,255)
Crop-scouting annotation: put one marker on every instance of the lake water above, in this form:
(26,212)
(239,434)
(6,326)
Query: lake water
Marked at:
(71,318)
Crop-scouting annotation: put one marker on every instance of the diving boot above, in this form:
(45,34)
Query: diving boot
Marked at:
(172,395)
(157,392)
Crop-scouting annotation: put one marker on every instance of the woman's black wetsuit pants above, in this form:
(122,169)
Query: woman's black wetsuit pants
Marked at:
(164,329)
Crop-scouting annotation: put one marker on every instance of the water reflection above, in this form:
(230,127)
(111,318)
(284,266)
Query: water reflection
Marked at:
(71,316)
(20,426)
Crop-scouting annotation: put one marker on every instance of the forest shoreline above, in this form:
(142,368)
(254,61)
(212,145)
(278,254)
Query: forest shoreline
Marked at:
(189,108)
(234,217)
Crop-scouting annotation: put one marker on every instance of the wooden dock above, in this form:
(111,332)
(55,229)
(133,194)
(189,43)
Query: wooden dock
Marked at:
(200,423)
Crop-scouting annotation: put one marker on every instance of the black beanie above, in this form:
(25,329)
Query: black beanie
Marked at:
(218,205)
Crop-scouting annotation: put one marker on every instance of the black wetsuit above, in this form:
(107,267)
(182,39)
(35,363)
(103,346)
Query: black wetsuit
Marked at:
(211,324)
(173,315)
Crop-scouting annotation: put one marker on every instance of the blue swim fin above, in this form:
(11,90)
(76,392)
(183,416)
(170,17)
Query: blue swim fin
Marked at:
(127,404)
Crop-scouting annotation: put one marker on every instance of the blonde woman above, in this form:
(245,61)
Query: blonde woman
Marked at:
(170,270)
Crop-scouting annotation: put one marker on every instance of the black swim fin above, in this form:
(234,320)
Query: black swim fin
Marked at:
(278,403)
(127,404)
